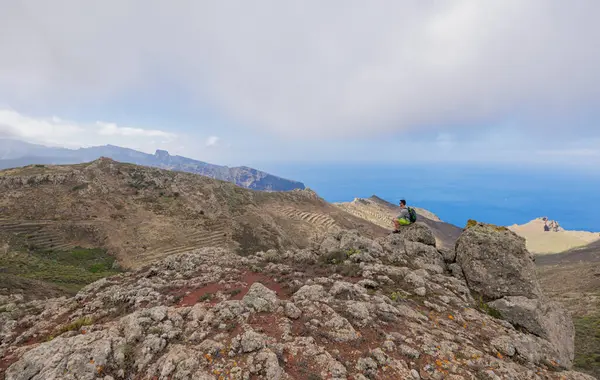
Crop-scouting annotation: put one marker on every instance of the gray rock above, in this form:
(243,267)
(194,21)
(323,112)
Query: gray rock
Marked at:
(409,351)
(260,298)
(496,263)
(417,232)
(367,366)
(456,271)
(291,311)
(368,284)
(351,240)
(543,318)
(415,279)
(421,291)
(347,291)
(331,243)
(449,254)
(80,353)
(338,329)
(251,341)
(311,293)
(422,254)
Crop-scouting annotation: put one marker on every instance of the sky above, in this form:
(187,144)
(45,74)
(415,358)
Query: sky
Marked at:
(262,82)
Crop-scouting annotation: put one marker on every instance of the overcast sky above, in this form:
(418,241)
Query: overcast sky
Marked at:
(240,82)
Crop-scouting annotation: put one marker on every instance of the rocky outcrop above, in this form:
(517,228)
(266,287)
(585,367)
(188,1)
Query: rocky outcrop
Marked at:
(417,232)
(312,313)
(496,263)
(499,270)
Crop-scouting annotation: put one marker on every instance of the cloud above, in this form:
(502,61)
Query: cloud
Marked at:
(50,130)
(212,141)
(110,129)
(313,69)
(56,131)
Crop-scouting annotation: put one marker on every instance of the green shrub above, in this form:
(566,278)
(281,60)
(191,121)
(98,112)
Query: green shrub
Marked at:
(335,257)
(489,310)
(395,296)
(351,252)
(76,325)
(69,269)
(81,186)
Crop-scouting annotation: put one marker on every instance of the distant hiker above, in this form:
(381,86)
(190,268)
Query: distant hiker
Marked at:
(407,216)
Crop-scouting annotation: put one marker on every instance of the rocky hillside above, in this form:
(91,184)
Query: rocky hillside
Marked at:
(140,214)
(546,236)
(17,153)
(381,213)
(573,279)
(345,307)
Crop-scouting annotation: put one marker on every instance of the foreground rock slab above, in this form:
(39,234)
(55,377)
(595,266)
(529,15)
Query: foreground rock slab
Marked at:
(310,314)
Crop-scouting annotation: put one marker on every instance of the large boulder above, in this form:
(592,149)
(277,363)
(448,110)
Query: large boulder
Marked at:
(496,263)
(414,245)
(350,242)
(417,232)
(498,268)
(543,318)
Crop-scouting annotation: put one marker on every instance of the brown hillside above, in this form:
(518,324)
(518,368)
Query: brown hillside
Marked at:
(142,214)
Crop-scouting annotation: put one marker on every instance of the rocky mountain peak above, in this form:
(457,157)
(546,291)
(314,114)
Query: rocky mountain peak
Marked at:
(162,154)
(348,306)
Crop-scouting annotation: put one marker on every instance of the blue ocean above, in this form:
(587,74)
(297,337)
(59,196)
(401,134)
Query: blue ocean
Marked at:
(498,195)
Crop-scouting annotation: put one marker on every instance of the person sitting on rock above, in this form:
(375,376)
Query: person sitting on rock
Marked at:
(404,218)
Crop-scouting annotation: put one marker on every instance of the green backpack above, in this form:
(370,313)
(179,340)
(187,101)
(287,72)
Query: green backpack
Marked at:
(412,215)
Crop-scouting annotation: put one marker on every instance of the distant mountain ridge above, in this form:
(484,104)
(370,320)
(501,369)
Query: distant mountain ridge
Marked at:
(15,153)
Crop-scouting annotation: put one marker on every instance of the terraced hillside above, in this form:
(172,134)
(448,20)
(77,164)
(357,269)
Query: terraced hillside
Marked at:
(141,214)
(381,213)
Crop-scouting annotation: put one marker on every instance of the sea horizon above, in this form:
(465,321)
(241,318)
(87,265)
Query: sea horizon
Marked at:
(456,193)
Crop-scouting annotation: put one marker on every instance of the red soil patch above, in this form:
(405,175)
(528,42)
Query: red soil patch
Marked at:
(266,324)
(232,290)
(251,277)
(6,362)
(299,367)
(206,293)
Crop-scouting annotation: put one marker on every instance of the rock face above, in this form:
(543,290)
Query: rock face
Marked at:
(499,269)
(417,232)
(347,308)
(496,263)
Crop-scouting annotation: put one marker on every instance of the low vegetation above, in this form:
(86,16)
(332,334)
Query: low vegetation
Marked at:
(473,223)
(587,343)
(70,270)
(484,307)
(76,325)
(336,261)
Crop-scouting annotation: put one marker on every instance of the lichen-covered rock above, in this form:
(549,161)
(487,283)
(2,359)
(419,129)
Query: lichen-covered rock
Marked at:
(347,291)
(78,357)
(260,298)
(421,255)
(351,240)
(418,233)
(311,293)
(496,263)
(321,323)
(543,318)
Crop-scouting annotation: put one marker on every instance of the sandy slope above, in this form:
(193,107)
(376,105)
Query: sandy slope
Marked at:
(541,242)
